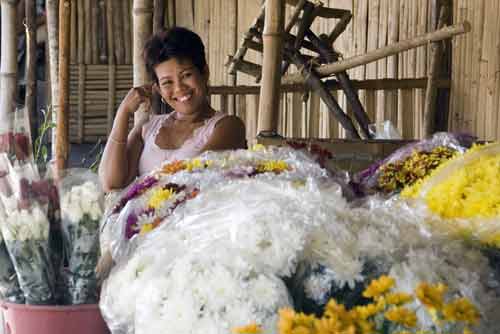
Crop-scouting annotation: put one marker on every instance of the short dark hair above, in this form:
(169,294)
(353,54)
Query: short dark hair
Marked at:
(176,42)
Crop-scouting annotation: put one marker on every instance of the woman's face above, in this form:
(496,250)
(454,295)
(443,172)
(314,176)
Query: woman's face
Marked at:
(182,85)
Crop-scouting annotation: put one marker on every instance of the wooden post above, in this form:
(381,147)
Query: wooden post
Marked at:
(142,27)
(62,130)
(30,98)
(435,36)
(88,31)
(431,91)
(271,75)
(8,60)
(81,31)
(159,12)
(102,36)
(52,7)
(118,33)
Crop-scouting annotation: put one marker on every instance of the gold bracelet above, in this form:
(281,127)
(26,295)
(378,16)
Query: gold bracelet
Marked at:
(118,142)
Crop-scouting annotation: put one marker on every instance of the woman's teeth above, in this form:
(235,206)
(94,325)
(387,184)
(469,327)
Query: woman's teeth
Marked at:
(184,98)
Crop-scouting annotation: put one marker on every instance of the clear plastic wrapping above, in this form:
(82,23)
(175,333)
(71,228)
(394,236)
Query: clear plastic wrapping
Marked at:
(26,235)
(81,213)
(392,174)
(9,284)
(261,219)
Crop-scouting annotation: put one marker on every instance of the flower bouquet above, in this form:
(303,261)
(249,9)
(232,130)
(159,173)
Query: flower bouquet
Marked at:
(9,285)
(463,195)
(387,312)
(81,212)
(26,235)
(409,164)
(15,137)
(269,213)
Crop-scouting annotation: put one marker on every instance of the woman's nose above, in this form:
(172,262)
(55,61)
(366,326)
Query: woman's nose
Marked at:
(179,86)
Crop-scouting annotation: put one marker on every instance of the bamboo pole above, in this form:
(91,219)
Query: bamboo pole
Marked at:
(102,36)
(95,28)
(127,32)
(118,33)
(81,31)
(438,35)
(74,32)
(272,40)
(52,7)
(62,129)
(431,91)
(30,98)
(88,31)
(8,60)
(142,18)
(158,15)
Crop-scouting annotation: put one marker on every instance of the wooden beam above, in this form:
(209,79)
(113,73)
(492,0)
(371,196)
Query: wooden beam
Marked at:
(62,128)
(30,98)
(273,41)
(438,35)
(334,85)
(431,90)
(314,82)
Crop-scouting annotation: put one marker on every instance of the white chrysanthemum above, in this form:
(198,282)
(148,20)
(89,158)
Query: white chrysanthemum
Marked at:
(23,225)
(203,296)
(80,200)
(463,270)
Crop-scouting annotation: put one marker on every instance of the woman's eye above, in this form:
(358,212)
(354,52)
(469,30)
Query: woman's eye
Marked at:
(186,75)
(166,83)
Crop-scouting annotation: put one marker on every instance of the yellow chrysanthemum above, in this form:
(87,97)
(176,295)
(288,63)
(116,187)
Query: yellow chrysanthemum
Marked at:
(291,322)
(275,166)
(257,147)
(467,331)
(431,295)
(398,298)
(248,329)
(379,287)
(173,167)
(461,310)
(146,228)
(402,316)
(366,311)
(159,196)
(194,164)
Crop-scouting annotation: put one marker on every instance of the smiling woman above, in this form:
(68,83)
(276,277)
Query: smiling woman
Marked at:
(175,60)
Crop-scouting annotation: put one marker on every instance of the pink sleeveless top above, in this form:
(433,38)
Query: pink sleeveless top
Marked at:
(153,156)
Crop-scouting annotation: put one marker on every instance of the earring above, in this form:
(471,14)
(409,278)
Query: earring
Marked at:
(163,100)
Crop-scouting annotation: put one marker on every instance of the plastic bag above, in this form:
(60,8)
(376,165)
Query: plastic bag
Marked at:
(9,284)
(81,213)
(262,213)
(26,235)
(391,175)
(384,130)
(464,195)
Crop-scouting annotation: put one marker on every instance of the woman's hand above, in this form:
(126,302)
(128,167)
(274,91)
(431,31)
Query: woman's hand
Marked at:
(135,97)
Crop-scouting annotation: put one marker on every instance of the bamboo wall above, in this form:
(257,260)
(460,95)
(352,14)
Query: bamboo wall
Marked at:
(474,105)
(221,24)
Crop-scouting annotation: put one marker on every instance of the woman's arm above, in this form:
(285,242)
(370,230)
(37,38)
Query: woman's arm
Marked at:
(229,133)
(121,154)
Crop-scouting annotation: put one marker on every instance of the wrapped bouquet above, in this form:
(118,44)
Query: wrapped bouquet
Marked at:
(270,216)
(81,212)
(26,234)
(410,163)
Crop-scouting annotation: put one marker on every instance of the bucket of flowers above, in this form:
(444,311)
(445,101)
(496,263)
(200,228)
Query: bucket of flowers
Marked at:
(49,245)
